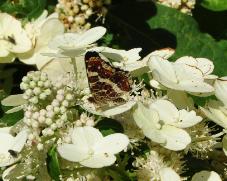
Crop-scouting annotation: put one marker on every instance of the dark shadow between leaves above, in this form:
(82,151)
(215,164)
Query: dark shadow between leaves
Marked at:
(128,21)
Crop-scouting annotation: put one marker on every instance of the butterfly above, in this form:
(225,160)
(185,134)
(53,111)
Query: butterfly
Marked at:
(108,85)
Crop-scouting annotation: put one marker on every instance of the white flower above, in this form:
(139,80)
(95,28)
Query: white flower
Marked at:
(162,123)
(180,76)
(12,40)
(41,31)
(206,176)
(91,149)
(220,87)
(10,147)
(224,143)
(217,112)
(75,44)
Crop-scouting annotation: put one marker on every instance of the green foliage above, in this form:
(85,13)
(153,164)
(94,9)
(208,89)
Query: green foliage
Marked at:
(109,126)
(53,164)
(190,41)
(13,118)
(25,9)
(215,5)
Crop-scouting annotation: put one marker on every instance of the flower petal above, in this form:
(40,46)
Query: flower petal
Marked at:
(14,100)
(206,176)
(168,174)
(111,144)
(99,161)
(176,138)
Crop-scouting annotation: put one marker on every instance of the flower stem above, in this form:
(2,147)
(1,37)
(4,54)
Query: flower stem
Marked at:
(73,60)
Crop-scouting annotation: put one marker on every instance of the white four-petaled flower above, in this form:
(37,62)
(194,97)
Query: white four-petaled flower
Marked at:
(91,149)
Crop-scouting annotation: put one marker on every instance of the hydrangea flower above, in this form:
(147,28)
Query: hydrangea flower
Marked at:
(182,76)
(163,123)
(91,149)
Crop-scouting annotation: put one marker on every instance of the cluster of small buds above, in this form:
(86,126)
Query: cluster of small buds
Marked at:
(76,14)
(45,115)
(85,120)
(185,6)
(203,141)
(36,86)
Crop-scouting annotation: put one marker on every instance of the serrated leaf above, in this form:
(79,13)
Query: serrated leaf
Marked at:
(190,41)
(215,5)
(53,164)
(109,126)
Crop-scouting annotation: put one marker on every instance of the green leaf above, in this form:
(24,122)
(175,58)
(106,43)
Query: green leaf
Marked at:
(13,118)
(109,126)
(53,164)
(25,9)
(215,5)
(190,41)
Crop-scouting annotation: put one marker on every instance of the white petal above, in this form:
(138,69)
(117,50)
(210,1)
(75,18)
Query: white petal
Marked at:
(73,152)
(168,174)
(5,130)
(221,89)
(205,65)
(215,114)
(119,109)
(51,28)
(206,176)
(6,141)
(15,109)
(99,161)
(86,137)
(66,39)
(19,141)
(92,35)
(176,138)
(162,70)
(166,110)
(187,119)
(111,144)
(14,100)
(164,53)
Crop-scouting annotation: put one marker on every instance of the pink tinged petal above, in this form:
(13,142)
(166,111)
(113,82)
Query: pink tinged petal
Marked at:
(72,152)
(86,136)
(99,160)
(176,138)
(111,144)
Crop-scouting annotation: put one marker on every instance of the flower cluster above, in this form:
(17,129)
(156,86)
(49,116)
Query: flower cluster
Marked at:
(77,15)
(185,6)
(87,112)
